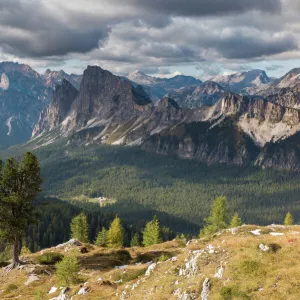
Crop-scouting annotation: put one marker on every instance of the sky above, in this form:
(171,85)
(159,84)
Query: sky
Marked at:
(202,38)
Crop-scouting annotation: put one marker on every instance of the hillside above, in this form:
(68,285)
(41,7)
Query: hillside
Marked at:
(179,191)
(247,262)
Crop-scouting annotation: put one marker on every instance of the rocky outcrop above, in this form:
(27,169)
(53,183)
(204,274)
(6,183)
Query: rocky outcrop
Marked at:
(22,97)
(62,99)
(243,82)
(207,93)
(54,78)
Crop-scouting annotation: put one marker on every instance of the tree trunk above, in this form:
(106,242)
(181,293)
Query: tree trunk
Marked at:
(15,254)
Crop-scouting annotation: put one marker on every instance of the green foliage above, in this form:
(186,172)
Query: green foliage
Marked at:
(164,257)
(217,220)
(288,219)
(20,183)
(67,270)
(135,240)
(129,275)
(181,240)
(101,238)
(151,233)
(233,293)
(235,221)
(249,267)
(115,235)
(50,258)
(25,251)
(79,228)
(10,288)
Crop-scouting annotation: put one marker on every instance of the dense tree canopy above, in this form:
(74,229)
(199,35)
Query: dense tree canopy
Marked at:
(20,183)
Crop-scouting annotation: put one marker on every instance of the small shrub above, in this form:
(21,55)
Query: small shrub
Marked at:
(232,293)
(181,240)
(50,258)
(67,270)
(250,267)
(274,247)
(164,257)
(11,287)
(25,251)
(129,275)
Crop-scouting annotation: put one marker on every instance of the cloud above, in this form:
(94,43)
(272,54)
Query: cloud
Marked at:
(198,8)
(150,35)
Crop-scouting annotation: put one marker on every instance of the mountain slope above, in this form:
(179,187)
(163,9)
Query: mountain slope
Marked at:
(247,262)
(157,88)
(22,97)
(111,110)
(243,82)
(207,93)
(53,78)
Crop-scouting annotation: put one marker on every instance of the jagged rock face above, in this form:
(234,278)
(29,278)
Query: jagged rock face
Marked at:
(53,78)
(62,99)
(104,96)
(4,82)
(22,97)
(236,130)
(289,97)
(243,82)
(207,93)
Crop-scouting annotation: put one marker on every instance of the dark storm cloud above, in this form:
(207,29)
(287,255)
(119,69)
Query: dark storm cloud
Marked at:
(205,7)
(31,29)
(247,47)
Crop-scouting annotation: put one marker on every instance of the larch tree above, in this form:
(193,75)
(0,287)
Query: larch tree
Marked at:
(101,239)
(217,220)
(80,228)
(288,219)
(235,221)
(115,234)
(152,233)
(20,183)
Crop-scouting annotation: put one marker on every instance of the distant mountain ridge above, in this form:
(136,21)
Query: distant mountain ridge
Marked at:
(235,129)
(203,121)
(157,88)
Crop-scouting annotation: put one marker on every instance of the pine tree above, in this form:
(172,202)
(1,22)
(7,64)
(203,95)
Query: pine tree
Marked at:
(218,217)
(20,183)
(288,219)
(135,240)
(235,221)
(79,228)
(101,239)
(115,235)
(151,233)
(67,270)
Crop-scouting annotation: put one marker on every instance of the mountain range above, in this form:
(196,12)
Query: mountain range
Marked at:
(205,121)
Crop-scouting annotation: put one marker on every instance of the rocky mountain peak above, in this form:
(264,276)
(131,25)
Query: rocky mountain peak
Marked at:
(62,99)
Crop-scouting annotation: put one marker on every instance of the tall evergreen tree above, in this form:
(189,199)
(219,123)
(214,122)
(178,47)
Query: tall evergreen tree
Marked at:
(115,234)
(235,221)
(20,183)
(151,233)
(288,219)
(101,239)
(218,217)
(79,228)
